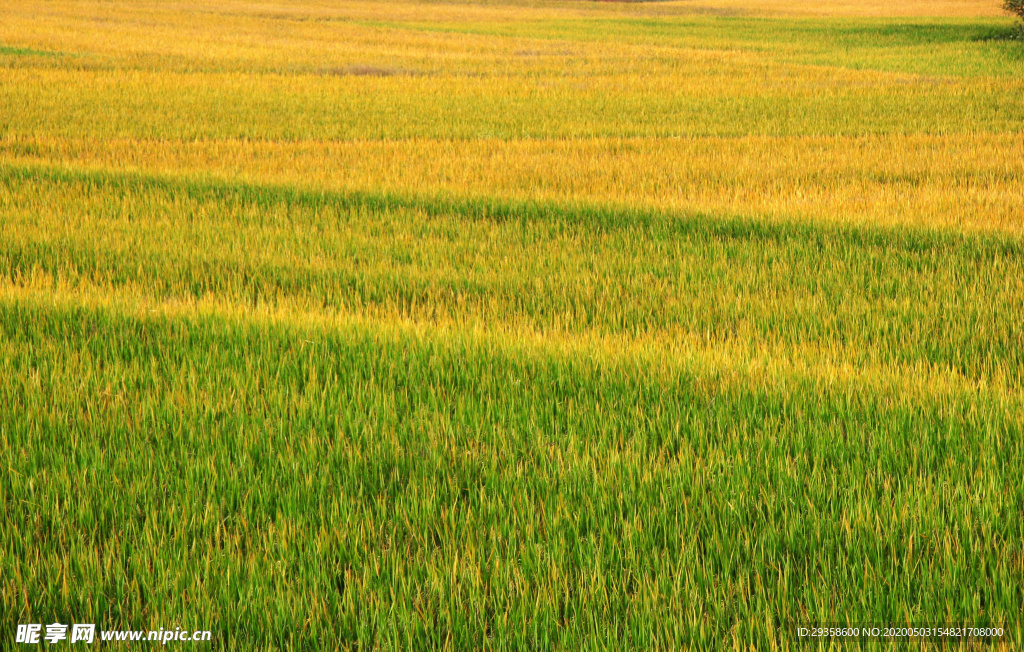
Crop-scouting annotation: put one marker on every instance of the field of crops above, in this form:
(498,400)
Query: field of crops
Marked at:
(551,325)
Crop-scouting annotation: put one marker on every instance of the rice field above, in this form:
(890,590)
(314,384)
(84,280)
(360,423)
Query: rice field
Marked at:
(361,325)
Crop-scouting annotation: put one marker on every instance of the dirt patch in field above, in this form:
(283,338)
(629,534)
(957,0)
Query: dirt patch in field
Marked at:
(542,53)
(363,70)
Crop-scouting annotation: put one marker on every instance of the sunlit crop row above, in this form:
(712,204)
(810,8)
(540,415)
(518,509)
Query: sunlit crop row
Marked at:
(956,181)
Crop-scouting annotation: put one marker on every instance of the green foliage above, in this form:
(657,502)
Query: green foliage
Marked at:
(1016,7)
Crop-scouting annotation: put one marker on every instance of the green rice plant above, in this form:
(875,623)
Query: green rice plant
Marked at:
(541,326)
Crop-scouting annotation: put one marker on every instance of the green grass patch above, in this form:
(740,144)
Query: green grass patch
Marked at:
(398,491)
(26,52)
